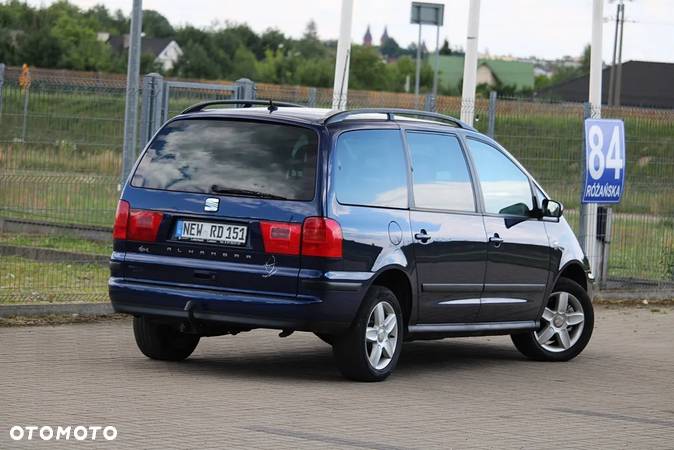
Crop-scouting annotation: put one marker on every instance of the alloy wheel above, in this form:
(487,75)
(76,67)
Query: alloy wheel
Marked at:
(562,324)
(381,335)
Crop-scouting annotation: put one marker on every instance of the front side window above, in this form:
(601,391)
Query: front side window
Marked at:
(440,174)
(505,188)
(231,157)
(369,169)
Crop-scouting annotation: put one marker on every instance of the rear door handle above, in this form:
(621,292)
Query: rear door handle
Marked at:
(496,240)
(422,236)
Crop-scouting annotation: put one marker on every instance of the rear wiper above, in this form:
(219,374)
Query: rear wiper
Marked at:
(244,192)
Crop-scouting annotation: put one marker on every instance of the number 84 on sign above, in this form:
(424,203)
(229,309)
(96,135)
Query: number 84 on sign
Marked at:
(604,161)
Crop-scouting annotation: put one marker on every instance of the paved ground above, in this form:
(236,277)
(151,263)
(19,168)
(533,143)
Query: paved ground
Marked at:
(255,390)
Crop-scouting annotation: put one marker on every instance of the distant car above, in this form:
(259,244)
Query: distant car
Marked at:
(366,227)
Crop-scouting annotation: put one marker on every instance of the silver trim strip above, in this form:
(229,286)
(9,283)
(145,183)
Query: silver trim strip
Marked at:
(483,301)
(347,275)
(502,301)
(461,301)
(117,256)
(473,327)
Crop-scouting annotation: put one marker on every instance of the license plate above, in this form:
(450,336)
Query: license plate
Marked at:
(222,233)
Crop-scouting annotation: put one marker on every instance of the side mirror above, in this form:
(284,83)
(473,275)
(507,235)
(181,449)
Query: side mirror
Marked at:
(552,208)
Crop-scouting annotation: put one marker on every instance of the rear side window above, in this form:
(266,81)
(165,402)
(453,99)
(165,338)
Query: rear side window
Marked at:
(440,172)
(369,169)
(505,187)
(231,157)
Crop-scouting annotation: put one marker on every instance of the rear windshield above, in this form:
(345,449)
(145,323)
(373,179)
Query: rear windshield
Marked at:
(249,159)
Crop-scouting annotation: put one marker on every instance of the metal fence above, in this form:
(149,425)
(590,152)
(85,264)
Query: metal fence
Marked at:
(61,143)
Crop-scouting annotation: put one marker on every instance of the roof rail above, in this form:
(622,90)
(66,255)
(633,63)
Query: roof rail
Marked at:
(246,104)
(390,113)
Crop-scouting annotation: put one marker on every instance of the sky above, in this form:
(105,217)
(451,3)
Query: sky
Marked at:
(542,28)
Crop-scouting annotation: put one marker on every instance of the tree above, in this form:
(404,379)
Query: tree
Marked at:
(585,59)
(273,40)
(243,64)
(310,46)
(81,49)
(38,49)
(115,25)
(399,71)
(367,71)
(316,72)
(445,50)
(195,63)
(156,25)
(390,48)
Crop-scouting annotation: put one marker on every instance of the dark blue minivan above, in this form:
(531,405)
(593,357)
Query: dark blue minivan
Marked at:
(366,227)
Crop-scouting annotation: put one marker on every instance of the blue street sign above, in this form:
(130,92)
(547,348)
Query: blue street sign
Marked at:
(604,161)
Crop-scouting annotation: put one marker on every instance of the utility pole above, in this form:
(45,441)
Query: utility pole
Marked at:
(611,82)
(341,87)
(470,64)
(132,88)
(424,13)
(615,77)
(619,70)
(437,64)
(588,211)
(418,71)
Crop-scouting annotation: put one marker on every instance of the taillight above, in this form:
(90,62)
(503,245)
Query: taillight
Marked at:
(121,220)
(135,224)
(321,237)
(281,237)
(143,225)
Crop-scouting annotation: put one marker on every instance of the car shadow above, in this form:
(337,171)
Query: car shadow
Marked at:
(316,363)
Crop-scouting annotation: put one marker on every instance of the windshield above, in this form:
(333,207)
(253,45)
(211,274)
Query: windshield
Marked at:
(250,159)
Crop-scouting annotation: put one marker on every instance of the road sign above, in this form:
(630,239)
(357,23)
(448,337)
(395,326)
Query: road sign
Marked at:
(604,161)
(428,13)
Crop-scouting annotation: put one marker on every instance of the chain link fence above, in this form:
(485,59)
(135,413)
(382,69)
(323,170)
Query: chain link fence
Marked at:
(61,142)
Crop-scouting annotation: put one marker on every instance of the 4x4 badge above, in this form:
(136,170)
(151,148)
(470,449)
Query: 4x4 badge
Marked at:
(212,204)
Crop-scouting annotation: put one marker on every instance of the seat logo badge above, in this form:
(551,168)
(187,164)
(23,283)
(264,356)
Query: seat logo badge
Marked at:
(212,204)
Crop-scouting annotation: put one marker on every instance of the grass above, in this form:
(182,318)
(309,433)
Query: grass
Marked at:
(59,198)
(26,281)
(56,242)
(641,249)
(58,319)
(68,169)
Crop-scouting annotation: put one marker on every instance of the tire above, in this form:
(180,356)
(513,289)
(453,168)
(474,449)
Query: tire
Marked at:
(561,336)
(162,341)
(355,349)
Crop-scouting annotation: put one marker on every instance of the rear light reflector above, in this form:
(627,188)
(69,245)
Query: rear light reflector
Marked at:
(321,237)
(121,220)
(135,224)
(280,237)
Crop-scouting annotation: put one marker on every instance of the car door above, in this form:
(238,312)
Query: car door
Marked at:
(518,255)
(449,238)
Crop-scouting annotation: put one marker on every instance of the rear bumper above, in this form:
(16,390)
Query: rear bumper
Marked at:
(331,311)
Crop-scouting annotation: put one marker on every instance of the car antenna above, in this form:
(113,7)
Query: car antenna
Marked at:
(272,107)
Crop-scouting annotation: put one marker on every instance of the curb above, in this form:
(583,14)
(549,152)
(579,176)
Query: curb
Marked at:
(52,255)
(82,309)
(634,297)
(92,232)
